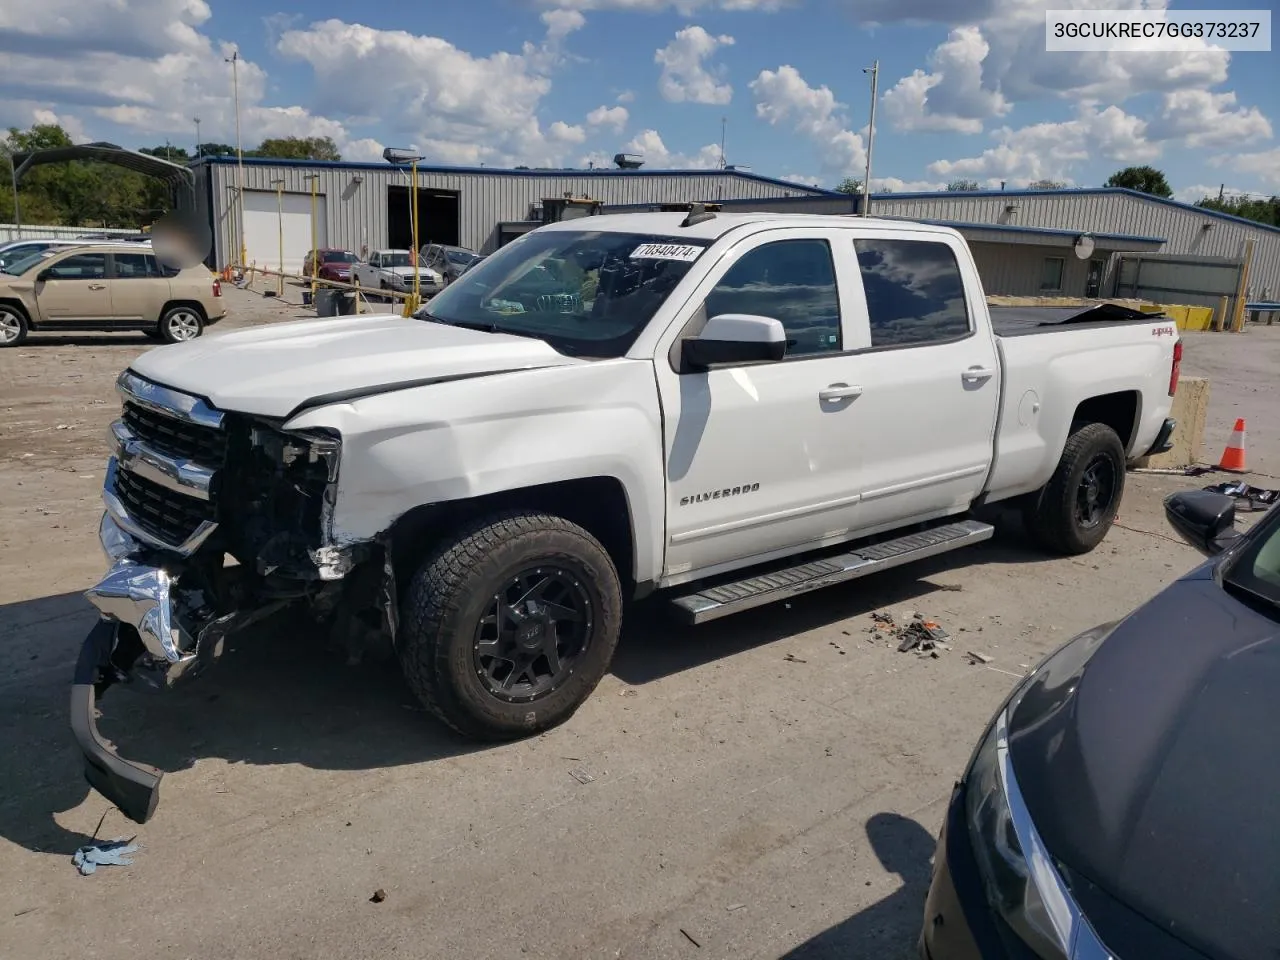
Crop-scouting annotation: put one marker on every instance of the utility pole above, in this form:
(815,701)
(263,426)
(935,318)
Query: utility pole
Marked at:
(13,173)
(724,125)
(197,123)
(168,150)
(1221,188)
(874,70)
(234,60)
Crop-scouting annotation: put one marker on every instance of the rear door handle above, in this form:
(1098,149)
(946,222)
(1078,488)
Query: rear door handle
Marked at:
(975,374)
(839,391)
(97,286)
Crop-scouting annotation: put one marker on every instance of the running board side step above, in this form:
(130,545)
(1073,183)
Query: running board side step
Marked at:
(713,602)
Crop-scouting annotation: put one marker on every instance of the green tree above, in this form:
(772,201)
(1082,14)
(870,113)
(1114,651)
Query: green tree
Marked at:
(299,148)
(851,185)
(167,152)
(1145,178)
(216,150)
(962,186)
(1263,211)
(1046,185)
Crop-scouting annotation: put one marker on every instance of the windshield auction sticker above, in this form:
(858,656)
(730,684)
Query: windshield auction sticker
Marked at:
(665,251)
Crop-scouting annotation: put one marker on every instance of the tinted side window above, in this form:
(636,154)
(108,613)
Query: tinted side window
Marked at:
(915,293)
(793,281)
(131,266)
(83,266)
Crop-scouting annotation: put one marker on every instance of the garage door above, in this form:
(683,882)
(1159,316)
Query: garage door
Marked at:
(263,222)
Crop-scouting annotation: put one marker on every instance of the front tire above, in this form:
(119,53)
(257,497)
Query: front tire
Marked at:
(509,625)
(1074,510)
(13,326)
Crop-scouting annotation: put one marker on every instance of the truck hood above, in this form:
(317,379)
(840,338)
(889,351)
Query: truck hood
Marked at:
(273,370)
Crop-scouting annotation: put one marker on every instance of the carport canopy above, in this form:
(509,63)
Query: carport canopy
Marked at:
(173,174)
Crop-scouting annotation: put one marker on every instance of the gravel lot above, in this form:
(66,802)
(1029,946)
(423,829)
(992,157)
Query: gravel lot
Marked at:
(764,786)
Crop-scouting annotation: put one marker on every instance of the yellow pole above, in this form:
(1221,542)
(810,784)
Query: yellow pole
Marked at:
(411,303)
(280,227)
(1242,290)
(315,253)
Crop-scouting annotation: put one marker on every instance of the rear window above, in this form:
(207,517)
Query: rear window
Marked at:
(915,292)
(338,256)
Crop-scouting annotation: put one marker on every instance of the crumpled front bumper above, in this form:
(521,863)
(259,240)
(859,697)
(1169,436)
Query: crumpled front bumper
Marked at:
(153,632)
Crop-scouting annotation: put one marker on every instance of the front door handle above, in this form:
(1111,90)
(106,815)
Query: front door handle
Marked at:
(839,391)
(976,374)
(97,286)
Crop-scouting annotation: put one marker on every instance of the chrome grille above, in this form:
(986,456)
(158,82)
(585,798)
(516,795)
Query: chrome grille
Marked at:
(168,516)
(177,438)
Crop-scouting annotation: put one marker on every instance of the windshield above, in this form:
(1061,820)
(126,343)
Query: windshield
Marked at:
(1257,568)
(585,292)
(26,262)
(399,258)
(460,256)
(338,256)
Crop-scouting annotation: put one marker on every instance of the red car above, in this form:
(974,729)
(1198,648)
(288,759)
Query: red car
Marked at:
(334,264)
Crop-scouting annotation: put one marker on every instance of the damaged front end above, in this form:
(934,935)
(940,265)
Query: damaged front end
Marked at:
(213,521)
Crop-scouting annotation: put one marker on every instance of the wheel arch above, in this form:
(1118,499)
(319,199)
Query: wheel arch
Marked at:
(184,302)
(1120,411)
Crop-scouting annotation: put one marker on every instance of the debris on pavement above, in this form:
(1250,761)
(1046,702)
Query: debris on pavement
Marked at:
(688,936)
(378,896)
(582,776)
(1257,498)
(920,634)
(792,658)
(736,906)
(112,853)
(976,657)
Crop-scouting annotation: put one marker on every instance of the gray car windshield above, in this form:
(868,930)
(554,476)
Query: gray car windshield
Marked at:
(1257,567)
(587,293)
(397,260)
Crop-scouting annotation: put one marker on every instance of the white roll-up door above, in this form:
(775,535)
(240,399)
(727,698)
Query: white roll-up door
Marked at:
(264,222)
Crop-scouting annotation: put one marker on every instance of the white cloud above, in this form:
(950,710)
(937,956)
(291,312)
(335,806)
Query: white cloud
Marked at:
(1264,165)
(1051,150)
(1200,118)
(684,7)
(784,98)
(951,96)
(72,125)
(561,23)
(808,181)
(685,76)
(897,185)
(649,145)
(444,98)
(626,96)
(563,132)
(615,117)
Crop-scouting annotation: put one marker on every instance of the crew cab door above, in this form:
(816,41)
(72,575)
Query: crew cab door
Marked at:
(930,377)
(139,288)
(762,458)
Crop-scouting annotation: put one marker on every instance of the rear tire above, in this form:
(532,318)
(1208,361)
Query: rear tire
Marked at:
(1073,511)
(509,624)
(180,324)
(13,326)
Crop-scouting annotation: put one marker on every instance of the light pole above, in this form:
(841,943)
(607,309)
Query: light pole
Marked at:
(196,121)
(234,60)
(13,173)
(874,70)
(279,185)
(398,157)
(315,252)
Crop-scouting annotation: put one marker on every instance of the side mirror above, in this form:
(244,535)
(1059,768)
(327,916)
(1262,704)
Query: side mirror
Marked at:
(1205,520)
(735,338)
(44,275)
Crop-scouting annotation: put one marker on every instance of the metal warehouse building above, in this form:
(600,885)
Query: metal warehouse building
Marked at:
(366,206)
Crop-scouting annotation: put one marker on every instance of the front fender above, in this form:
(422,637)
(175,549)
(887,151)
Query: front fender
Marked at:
(486,435)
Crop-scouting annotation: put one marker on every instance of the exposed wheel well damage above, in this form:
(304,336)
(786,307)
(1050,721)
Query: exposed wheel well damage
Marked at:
(1119,411)
(597,504)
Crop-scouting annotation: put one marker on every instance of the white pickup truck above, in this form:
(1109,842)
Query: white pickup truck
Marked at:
(392,270)
(726,410)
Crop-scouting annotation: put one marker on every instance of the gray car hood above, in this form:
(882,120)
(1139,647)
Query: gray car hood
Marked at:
(1154,773)
(272,370)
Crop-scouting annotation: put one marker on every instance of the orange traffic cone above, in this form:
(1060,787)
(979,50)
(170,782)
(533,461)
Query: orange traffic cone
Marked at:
(1233,455)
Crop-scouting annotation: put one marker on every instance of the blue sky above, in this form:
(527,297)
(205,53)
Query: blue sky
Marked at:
(966,88)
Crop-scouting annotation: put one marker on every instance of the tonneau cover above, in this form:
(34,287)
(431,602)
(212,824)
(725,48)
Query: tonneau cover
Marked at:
(1017,321)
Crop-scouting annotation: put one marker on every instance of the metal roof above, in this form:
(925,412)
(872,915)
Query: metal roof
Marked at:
(1041,231)
(1073,191)
(172,173)
(604,173)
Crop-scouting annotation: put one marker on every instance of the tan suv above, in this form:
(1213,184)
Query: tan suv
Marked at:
(106,287)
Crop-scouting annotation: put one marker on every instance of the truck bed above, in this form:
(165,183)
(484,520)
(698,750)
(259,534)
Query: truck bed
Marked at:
(1026,321)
